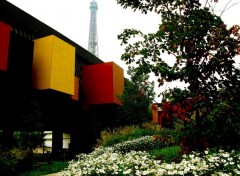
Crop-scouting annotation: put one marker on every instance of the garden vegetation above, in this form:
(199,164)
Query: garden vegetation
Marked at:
(202,135)
(205,52)
(150,154)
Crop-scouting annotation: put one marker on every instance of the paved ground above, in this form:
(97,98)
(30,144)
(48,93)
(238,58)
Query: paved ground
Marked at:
(54,174)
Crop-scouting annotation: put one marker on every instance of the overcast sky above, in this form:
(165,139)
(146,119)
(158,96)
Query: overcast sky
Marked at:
(72,19)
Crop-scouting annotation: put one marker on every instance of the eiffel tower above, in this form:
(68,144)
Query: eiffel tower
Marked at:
(93,38)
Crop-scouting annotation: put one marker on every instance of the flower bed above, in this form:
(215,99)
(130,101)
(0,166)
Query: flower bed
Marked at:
(116,161)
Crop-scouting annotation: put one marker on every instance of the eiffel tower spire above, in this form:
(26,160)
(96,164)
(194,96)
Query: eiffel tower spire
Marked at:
(93,38)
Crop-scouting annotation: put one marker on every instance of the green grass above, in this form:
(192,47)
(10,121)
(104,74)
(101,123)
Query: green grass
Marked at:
(167,154)
(46,168)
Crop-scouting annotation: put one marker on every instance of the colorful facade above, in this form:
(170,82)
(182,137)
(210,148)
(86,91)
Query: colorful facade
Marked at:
(102,83)
(46,77)
(53,65)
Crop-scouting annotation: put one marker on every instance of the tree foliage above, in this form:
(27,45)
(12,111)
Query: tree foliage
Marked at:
(204,50)
(138,93)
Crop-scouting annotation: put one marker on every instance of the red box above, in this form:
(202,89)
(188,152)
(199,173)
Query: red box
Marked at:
(5,31)
(102,83)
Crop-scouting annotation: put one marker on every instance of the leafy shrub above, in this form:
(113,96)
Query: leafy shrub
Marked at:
(7,166)
(15,160)
(174,134)
(110,137)
(26,139)
(137,94)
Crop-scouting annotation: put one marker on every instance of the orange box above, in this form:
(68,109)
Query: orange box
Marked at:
(155,113)
(76,89)
(5,31)
(102,83)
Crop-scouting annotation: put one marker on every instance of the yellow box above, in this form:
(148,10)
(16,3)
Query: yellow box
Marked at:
(53,65)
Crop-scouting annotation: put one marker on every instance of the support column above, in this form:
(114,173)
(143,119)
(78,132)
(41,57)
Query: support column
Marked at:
(57,143)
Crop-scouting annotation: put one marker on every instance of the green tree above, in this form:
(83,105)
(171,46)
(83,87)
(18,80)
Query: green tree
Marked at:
(138,93)
(204,50)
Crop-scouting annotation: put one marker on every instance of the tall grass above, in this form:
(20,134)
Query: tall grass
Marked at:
(109,137)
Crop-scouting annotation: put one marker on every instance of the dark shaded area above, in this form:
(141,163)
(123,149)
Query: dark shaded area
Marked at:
(23,108)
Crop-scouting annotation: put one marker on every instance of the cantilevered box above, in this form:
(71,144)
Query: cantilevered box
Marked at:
(76,89)
(53,65)
(102,83)
(5,31)
(154,110)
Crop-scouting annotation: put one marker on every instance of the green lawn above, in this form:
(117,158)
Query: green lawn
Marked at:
(43,168)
